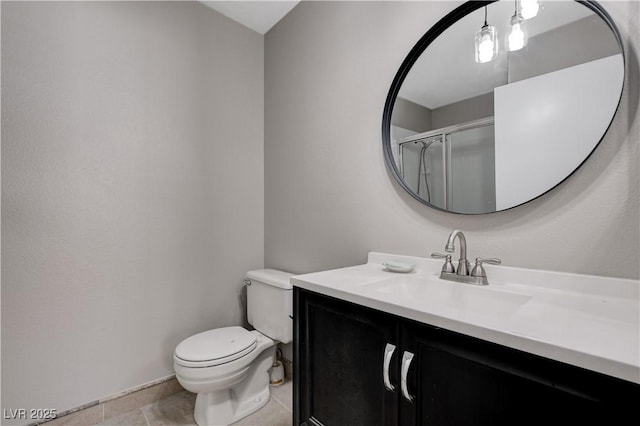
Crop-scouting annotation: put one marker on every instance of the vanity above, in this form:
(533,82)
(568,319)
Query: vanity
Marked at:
(375,347)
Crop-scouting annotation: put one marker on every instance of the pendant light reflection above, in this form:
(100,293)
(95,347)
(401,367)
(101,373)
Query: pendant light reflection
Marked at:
(529,8)
(517,37)
(486,42)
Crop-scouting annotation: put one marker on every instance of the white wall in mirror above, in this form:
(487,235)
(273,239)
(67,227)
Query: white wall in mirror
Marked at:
(532,142)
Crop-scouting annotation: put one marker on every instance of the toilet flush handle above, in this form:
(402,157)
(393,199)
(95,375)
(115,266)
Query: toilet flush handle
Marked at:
(247,281)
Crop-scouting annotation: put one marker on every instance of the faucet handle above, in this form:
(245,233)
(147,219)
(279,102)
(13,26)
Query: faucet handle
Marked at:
(491,260)
(478,269)
(448,266)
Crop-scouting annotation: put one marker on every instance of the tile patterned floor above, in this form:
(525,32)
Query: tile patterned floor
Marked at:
(178,410)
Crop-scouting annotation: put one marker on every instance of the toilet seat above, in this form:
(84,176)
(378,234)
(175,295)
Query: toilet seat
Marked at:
(215,347)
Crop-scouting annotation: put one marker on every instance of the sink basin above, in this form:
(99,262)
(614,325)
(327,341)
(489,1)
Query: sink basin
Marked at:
(461,301)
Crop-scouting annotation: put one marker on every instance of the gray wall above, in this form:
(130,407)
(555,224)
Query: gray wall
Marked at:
(463,111)
(411,116)
(132,196)
(329,198)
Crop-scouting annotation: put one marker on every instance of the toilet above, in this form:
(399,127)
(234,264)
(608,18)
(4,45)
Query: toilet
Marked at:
(228,367)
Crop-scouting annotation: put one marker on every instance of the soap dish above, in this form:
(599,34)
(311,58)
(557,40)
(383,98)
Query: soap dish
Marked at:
(399,266)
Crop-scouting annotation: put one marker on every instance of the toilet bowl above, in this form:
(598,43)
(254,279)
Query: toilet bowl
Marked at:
(228,368)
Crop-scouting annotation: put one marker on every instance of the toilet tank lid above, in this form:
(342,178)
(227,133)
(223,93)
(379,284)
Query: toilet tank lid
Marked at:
(272,277)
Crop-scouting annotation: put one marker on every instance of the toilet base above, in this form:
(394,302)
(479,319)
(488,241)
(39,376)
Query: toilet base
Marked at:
(218,408)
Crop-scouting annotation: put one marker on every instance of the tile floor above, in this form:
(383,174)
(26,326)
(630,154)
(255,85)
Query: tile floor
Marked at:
(177,409)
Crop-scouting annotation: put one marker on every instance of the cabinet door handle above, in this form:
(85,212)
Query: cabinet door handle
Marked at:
(407,357)
(388,354)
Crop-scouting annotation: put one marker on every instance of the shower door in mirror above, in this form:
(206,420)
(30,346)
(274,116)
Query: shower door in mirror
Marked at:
(453,169)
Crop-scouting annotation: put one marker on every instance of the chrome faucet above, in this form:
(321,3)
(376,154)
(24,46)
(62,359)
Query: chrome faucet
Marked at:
(461,274)
(463,263)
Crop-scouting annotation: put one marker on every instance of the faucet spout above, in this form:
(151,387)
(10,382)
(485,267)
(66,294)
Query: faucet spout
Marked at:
(463,263)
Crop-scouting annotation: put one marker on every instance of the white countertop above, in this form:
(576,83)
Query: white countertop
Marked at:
(588,321)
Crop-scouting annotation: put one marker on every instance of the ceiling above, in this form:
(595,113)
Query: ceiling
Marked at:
(260,16)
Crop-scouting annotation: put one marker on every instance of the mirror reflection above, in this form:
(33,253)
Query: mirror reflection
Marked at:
(499,109)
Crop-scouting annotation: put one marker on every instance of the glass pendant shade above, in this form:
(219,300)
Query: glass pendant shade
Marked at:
(486,44)
(529,8)
(517,37)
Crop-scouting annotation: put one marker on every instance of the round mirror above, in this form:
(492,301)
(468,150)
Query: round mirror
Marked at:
(501,101)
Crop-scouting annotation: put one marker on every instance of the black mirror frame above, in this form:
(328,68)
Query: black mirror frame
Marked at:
(417,50)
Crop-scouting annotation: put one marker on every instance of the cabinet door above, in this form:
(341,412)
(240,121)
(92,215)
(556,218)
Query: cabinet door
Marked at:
(459,380)
(339,361)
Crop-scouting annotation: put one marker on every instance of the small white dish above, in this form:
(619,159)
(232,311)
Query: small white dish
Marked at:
(399,266)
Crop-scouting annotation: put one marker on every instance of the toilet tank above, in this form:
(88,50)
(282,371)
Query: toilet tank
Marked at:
(270,303)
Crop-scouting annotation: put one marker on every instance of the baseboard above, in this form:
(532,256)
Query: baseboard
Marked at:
(116,404)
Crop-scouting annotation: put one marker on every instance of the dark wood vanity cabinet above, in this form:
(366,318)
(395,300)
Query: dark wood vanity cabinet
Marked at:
(460,380)
(451,379)
(338,361)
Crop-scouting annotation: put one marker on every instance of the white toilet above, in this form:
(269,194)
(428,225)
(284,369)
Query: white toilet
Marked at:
(229,367)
